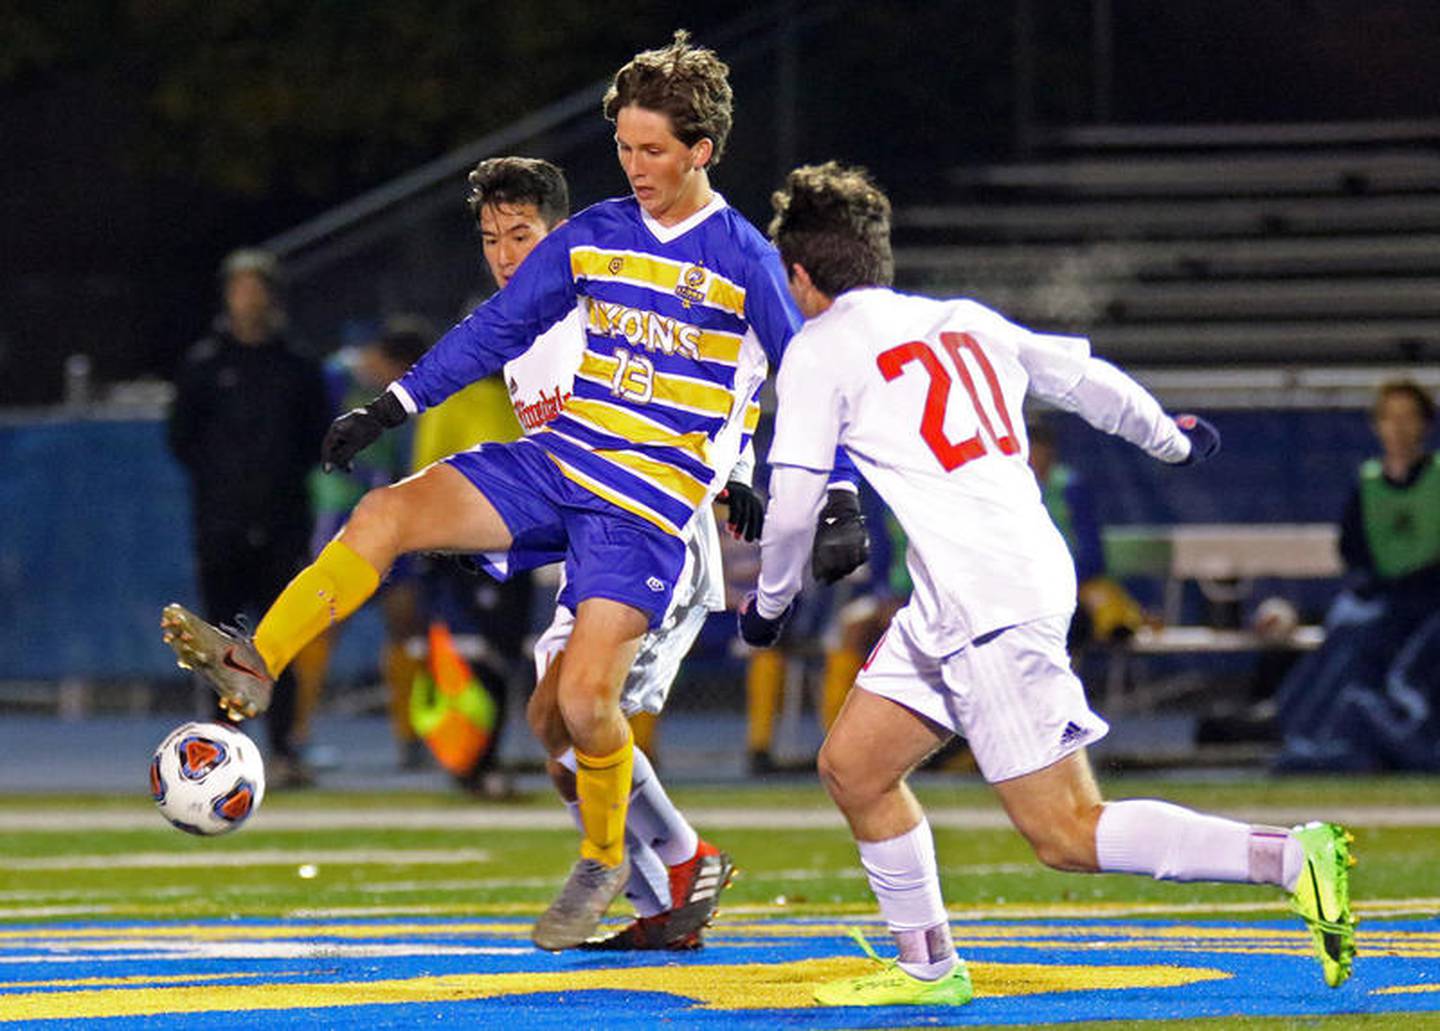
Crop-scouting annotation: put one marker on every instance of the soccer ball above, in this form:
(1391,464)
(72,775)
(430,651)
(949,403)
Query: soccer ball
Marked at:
(207,778)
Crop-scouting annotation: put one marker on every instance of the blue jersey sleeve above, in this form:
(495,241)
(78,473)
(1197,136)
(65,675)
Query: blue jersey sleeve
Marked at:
(541,293)
(769,308)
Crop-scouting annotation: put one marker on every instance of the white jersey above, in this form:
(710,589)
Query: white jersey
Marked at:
(926,396)
(540,379)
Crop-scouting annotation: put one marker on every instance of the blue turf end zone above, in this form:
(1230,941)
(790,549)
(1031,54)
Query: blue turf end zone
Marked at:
(482,972)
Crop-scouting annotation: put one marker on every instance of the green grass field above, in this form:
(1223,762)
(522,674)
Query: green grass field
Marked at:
(803,871)
(75,859)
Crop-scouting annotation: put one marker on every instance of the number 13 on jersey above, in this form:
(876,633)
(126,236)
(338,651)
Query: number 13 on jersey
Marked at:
(957,346)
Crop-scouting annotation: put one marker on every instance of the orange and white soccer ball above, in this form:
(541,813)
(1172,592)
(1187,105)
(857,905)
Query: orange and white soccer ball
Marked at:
(207,778)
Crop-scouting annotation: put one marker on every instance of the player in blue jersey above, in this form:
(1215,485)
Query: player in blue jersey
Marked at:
(685,307)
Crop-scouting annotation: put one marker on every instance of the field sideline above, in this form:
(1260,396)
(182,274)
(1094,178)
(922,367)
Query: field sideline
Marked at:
(348,910)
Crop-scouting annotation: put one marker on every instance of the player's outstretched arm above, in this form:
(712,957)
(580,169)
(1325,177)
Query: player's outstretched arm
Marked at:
(357,429)
(541,293)
(1112,401)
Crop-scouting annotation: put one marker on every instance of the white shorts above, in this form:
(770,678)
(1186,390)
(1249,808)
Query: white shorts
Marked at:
(1013,697)
(698,593)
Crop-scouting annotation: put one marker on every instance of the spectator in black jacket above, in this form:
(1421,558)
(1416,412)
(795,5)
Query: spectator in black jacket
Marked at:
(247,422)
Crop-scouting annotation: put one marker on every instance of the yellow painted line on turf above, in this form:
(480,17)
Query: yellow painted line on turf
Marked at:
(139,979)
(1406,989)
(744,986)
(243,932)
(254,857)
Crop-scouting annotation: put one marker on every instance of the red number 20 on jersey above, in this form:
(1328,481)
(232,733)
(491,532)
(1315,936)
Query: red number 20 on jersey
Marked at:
(953,454)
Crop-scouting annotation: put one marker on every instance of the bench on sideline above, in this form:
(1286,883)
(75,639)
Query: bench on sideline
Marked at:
(1223,559)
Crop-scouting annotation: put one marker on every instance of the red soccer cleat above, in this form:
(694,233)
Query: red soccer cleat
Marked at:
(695,887)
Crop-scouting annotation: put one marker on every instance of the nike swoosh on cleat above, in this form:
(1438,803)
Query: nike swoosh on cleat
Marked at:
(228,659)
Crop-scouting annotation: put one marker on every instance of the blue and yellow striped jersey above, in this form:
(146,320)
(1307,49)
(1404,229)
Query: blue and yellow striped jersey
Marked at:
(681,324)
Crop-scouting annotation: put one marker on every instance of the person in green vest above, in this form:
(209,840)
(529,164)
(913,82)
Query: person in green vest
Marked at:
(1367,699)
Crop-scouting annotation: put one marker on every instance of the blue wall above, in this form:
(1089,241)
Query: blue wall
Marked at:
(94,540)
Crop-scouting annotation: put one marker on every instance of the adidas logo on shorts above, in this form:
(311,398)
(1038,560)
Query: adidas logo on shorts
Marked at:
(655,584)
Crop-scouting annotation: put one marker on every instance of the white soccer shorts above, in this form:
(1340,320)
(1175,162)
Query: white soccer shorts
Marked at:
(697,594)
(1013,697)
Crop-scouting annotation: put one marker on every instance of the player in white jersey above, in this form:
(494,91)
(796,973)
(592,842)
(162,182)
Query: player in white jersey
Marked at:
(925,395)
(675,877)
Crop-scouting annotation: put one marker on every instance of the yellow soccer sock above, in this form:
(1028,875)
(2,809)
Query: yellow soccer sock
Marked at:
(764,683)
(842,666)
(602,785)
(323,593)
(642,729)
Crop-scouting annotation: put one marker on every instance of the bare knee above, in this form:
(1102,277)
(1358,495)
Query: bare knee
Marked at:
(1065,840)
(587,702)
(849,786)
(374,527)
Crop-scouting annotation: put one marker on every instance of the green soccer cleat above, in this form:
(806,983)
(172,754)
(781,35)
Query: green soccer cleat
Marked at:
(891,986)
(1322,897)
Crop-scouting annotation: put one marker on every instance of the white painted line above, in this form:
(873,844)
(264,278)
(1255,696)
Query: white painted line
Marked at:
(37,912)
(709,818)
(253,857)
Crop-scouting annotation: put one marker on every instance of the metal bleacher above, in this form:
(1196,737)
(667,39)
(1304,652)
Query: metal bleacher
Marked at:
(1256,245)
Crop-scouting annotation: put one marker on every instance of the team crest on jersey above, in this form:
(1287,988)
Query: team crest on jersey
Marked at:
(616,264)
(691,287)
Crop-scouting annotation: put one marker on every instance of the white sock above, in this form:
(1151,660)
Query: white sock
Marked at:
(1172,843)
(906,883)
(654,819)
(574,808)
(648,888)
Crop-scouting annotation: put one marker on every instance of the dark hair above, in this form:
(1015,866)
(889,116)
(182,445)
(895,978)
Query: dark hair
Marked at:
(835,221)
(405,338)
(687,83)
(1409,388)
(516,180)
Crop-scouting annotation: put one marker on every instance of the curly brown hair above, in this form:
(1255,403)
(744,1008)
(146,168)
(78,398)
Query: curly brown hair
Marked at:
(835,221)
(685,82)
(516,180)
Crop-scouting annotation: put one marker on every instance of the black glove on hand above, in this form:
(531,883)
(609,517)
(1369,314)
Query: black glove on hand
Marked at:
(1204,438)
(755,629)
(747,511)
(357,429)
(842,544)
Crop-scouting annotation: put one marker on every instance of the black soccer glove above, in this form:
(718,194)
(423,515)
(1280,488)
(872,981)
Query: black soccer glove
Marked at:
(1204,438)
(842,544)
(357,429)
(747,512)
(755,629)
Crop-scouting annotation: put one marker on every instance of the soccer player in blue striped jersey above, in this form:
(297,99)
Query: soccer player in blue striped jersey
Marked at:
(685,306)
